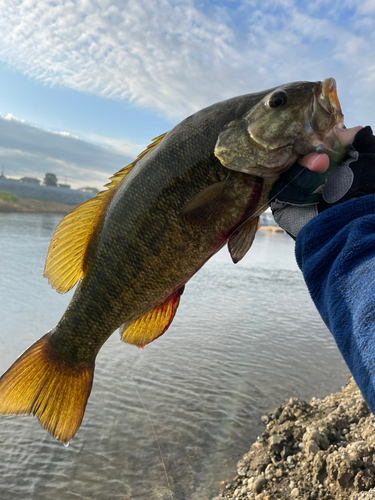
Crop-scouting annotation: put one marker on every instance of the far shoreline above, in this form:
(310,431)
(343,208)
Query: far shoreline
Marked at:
(35,206)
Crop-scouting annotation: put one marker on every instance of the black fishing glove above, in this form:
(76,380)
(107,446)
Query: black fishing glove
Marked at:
(298,197)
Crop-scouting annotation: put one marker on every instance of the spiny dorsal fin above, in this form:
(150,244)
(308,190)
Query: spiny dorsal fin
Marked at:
(64,264)
(241,240)
(153,324)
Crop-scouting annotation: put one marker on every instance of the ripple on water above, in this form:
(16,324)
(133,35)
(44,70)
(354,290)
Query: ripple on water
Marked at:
(245,338)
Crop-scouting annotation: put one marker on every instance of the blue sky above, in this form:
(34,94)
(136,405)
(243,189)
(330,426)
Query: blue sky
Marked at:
(85,85)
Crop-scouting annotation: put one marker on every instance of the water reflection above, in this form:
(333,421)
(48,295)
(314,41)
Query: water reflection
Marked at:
(245,338)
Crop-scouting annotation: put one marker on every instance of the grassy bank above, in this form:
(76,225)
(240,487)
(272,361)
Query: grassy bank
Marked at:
(12,203)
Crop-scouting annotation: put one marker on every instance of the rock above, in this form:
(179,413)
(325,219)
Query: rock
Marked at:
(259,484)
(276,440)
(358,445)
(369,495)
(258,464)
(319,467)
(269,469)
(344,465)
(242,467)
(311,448)
(364,480)
(286,414)
(317,436)
(294,493)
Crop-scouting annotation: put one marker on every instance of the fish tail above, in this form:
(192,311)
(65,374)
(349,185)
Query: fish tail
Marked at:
(40,383)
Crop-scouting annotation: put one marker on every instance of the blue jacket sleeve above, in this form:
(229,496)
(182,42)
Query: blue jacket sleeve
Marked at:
(336,253)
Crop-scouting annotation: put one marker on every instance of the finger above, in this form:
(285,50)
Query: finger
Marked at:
(315,162)
(346,135)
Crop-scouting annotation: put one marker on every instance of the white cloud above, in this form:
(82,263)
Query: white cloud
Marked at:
(64,134)
(367,7)
(9,116)
(27,150)
(123,147)
(177,56)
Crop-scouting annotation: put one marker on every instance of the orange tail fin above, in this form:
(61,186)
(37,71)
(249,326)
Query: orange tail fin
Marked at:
(39,383)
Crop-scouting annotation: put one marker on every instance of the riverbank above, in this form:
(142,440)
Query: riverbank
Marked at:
(322,450)
(27,190)
(30,205)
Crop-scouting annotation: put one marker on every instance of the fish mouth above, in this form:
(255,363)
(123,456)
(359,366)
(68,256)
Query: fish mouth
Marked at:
(326,115)
(326,108)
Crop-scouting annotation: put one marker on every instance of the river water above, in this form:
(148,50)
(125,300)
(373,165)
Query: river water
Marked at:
(246,337)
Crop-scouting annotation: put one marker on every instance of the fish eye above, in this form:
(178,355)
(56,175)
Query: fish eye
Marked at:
(276,100)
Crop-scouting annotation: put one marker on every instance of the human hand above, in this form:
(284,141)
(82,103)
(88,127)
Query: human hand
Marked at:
(295,202)
(319,163)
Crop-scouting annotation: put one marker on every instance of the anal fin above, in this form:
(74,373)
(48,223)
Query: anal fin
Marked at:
(153,324)
(241,240)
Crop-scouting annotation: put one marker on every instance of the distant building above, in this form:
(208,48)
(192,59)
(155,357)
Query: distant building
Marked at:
(89,190)
(30,180)
(65,186)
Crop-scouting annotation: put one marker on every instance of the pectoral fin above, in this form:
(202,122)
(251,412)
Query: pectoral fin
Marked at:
(207,203)
(241,240)
(153,324)
(64,264)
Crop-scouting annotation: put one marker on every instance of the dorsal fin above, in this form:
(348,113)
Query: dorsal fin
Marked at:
(64,264)
(153,324)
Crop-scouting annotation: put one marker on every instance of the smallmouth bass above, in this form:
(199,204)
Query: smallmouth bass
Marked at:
(133,247)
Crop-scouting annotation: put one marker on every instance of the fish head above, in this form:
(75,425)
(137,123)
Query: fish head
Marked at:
(287,122)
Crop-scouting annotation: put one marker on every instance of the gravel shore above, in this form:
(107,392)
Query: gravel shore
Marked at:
(322,450)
